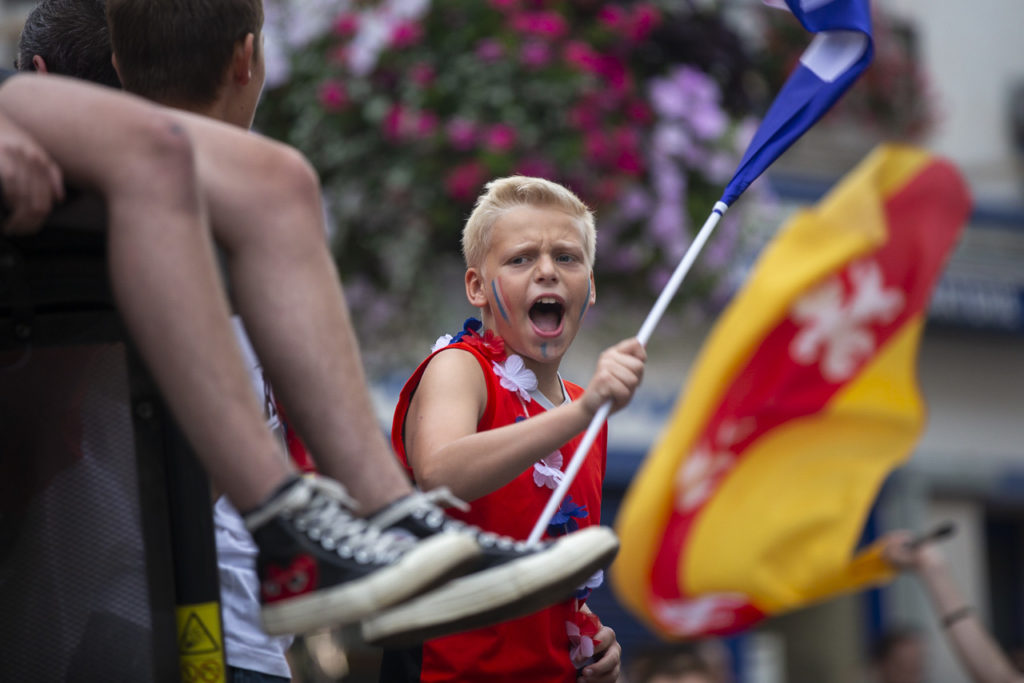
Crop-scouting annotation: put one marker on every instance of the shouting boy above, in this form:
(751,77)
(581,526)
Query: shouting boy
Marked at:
(489,416)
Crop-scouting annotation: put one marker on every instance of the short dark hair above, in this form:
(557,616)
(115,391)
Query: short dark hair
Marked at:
(668,660)
(887,641)
(177,51)
(72,38)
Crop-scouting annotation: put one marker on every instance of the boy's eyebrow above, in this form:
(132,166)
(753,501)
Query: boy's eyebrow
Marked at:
(569,244)
(532,244)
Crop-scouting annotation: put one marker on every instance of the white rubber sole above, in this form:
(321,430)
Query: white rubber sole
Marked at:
(431,562)
(508,591)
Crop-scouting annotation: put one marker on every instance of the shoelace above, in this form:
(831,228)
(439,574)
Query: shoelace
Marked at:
(426,506)
(327,519)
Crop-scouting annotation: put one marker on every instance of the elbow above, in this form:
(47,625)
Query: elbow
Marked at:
(430,478)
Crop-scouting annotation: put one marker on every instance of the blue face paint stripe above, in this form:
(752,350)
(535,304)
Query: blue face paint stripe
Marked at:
(497,299)
(544,350)
(586,302)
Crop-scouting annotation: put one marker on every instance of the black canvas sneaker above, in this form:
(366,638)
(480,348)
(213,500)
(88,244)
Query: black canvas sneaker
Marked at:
(512,579)
(321,566)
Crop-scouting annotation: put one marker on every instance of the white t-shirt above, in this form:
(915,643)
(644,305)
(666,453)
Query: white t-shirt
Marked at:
(246,645)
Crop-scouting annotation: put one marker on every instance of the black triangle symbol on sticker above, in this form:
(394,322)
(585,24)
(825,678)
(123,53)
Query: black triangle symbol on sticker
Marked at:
(196,638)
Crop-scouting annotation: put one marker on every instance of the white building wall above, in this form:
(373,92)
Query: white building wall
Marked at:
(972,53)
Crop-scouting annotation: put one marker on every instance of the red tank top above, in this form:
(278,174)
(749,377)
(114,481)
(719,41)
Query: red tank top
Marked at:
(536,647)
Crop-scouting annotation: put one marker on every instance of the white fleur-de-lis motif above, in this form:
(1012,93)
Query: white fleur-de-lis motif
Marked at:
(515,376)
(700,614)
(695,479)
(548,471)
(836,333)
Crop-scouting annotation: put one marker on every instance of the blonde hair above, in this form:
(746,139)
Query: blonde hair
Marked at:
(503,194)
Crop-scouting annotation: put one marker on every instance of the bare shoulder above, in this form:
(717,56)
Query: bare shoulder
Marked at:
(454,375)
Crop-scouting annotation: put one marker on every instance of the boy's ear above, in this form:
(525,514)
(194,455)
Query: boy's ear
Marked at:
(242,61)
(593,290)
(475,288)
(39,64)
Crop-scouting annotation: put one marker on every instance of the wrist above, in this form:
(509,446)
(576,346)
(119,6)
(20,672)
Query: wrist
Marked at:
(957,615)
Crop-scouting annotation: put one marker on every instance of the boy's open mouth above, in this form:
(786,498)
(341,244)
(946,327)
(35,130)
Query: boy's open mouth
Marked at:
(546,314)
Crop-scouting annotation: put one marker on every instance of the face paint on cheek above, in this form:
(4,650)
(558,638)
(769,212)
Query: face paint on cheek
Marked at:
(586,303)
(497,300)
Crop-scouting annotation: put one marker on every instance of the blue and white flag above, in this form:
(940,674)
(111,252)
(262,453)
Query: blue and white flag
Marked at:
(839,52)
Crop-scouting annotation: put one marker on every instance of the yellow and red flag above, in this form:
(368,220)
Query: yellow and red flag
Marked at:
(802,400)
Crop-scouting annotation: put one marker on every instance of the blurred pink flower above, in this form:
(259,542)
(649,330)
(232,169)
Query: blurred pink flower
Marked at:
(612,16)
(582,56)
(461,133)
(406,33)
(537,167)
(332,95)
(615,73)
(644,19)
(465,180)
(422,74)
(395,121)
(489,50)
(535,53)
(628,157)
(426,124)
(345,25)
(550,25)
(500,137)
(403,123)
(585,114)
(637,111)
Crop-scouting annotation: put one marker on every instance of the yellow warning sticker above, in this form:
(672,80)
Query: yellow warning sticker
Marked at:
(200,648)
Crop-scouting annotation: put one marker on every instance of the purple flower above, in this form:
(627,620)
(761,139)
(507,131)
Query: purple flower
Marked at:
(669,183)
(634,203)
(691,96)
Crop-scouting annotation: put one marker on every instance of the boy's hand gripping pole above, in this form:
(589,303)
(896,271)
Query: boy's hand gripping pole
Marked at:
(652,320)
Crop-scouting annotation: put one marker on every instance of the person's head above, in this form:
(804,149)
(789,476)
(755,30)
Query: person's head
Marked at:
(898,656)
(190,53)
(529,248)
(68,37)
(670,665)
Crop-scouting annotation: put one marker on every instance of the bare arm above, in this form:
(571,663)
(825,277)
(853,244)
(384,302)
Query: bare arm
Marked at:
(30,181)
(974,647)
(445,449)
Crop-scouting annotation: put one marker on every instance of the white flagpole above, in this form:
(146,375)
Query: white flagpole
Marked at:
(652,320)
